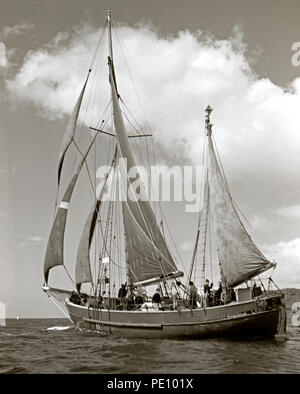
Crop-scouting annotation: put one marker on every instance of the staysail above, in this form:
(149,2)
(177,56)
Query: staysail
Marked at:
(83,272)
(70,130)
(55,248)
(240,258)
(147,253)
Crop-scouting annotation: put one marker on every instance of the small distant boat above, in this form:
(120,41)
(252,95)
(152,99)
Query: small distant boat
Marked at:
(129,236)
(18,317)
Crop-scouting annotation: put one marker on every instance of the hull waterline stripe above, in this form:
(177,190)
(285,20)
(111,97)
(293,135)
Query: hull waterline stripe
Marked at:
(146,325)
(117,324)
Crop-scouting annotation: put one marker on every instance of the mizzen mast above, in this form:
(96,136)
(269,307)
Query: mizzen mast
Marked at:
(201,237)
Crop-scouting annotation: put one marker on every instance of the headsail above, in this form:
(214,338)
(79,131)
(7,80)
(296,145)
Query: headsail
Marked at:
(55,248)
(240,258)
(70,130)
(147,253)
(83,272)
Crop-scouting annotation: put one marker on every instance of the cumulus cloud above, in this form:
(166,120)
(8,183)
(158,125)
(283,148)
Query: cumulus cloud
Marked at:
(8,31)
(256,121)
(292,211)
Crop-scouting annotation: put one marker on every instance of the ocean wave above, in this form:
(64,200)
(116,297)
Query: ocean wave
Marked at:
(7,334)
(12,370)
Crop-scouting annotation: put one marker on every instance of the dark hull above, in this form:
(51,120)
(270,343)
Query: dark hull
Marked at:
(241,320)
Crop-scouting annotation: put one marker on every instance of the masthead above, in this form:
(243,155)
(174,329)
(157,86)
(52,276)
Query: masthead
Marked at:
(207,120)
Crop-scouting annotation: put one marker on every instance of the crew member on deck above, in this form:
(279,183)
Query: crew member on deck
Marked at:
(138,299)
(173,294)
(207,292)
(232,294)
(218,294)
(122,292)
(193,295)
(156,299)
(207,287)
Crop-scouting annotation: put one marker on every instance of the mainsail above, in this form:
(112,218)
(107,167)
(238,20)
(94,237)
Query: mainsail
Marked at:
(147,253)
(55,248)
(70,130)
(240,258)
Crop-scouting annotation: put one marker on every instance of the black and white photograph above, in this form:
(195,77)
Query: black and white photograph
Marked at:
(149,190)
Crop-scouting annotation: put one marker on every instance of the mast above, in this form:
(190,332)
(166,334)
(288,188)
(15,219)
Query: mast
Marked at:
(148,256)
(111,65)
(110,49)
(108,18)
(201,235)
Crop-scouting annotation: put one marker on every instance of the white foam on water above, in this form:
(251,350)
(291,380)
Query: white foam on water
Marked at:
(6,334)
(59,328)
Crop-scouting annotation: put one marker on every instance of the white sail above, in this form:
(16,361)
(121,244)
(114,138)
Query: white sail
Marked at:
(55,247)
(147,253)
(240,258)
(70,130)
(83,272)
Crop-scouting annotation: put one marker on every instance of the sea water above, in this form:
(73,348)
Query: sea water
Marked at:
(54,346)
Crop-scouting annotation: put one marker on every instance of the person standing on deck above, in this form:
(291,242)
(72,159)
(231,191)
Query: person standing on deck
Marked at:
(173,294)
(156,299)
(218,294)
(122,292)
(207,292)
(122,295)
(138,299)
(193,295)
(207,287)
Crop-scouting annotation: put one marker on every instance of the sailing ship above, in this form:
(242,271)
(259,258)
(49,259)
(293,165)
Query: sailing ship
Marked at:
(124,233)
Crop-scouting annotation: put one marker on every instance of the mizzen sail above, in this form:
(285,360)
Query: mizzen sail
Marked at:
(240,258)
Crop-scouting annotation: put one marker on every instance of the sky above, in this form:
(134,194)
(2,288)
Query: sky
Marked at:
(234,55)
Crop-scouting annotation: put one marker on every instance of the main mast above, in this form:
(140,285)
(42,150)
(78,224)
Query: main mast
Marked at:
(112,72)
(108,18)
(147,255)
